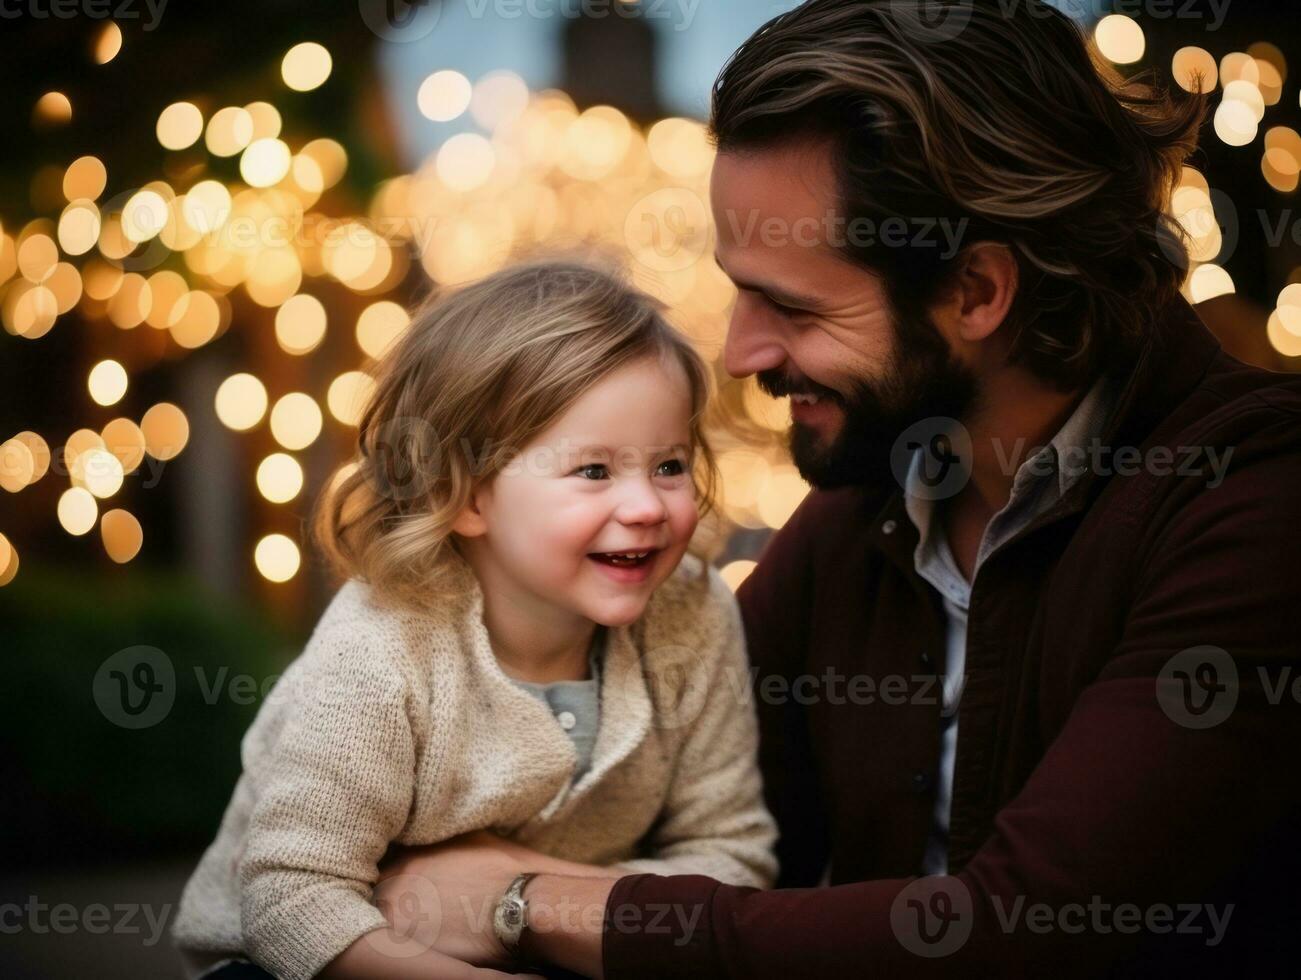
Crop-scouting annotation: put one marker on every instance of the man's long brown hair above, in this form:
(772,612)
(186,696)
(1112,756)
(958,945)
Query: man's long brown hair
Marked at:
(1000,114)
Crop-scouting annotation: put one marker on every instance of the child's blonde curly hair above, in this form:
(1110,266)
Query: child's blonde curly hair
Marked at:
(480,372)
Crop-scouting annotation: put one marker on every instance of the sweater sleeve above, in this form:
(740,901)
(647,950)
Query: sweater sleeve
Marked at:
(714,821)
(336,788)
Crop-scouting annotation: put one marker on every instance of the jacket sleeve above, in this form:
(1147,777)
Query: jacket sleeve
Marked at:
(1130,804)
(335,789)
(714,820)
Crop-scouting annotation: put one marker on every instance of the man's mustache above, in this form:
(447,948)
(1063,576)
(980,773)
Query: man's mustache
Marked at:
(779,385)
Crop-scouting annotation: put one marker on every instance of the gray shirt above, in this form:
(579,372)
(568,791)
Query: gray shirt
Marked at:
(1040,481)
(576,705)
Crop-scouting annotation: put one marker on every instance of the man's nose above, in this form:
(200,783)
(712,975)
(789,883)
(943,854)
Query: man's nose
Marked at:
(753,343)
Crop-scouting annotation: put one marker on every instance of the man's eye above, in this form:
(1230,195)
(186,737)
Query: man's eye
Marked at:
(782,308)
(585,470)
(676,467)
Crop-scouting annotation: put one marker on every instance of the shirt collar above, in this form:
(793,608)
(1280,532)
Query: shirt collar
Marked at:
(1073,440)
(1065,457)
(1071,443)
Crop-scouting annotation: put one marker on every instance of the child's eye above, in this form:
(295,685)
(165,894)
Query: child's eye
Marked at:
(597,471)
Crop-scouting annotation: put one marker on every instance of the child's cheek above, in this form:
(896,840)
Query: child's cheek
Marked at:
(686,517)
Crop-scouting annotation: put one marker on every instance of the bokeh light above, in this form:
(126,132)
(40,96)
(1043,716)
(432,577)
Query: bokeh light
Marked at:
(306,66)
(1120,39)
(122,535)
(296,420)
(179,125)
(166,431)
(241,402)
(444,95)
(107,382)
(279,478)
(277,558)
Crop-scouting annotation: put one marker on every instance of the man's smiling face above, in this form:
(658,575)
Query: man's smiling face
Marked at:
(810,321)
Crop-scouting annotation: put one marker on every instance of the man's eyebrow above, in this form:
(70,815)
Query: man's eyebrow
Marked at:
(775,293)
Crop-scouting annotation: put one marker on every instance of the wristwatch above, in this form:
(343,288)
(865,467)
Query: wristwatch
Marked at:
(510,917)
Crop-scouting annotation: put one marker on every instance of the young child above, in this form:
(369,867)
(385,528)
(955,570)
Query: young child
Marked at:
(524,644)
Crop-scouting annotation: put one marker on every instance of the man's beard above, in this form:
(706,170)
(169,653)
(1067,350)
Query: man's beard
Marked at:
(923,381)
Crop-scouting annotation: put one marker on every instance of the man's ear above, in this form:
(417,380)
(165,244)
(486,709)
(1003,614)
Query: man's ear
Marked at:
(979,300)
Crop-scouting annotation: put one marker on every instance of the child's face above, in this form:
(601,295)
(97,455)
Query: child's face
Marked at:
(612,474)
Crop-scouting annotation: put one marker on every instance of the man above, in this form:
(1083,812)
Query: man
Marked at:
(1024,654)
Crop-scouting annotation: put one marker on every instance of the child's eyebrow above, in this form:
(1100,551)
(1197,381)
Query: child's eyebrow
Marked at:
(655,450)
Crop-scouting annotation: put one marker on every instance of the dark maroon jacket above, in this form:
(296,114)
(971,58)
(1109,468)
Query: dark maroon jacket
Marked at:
(1092,770)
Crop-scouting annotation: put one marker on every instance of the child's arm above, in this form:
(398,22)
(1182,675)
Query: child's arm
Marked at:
(334,790)
(363,961)
(714,820)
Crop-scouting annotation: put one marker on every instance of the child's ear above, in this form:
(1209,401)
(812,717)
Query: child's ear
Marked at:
(470,522)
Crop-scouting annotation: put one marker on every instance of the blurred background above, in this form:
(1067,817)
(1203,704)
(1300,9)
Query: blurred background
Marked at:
(212,220)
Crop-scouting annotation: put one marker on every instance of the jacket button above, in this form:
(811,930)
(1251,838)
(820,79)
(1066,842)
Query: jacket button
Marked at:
(888,527)
(921,781)
(926,659)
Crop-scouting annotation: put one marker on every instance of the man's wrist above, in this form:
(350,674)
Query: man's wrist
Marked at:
(510,917)
(566,922)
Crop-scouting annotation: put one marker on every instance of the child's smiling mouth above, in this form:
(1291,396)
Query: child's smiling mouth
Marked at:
(626,566)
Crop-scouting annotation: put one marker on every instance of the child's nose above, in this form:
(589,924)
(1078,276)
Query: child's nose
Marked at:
(641,504)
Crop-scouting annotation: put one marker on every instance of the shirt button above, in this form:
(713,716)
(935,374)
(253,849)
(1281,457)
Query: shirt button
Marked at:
(921,781)
(567,720)
(926,659)
(888,527)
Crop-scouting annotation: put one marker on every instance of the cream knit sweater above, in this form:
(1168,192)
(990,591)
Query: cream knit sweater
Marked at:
(398,726)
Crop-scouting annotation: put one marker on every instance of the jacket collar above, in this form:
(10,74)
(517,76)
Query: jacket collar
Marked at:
(1166,370)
